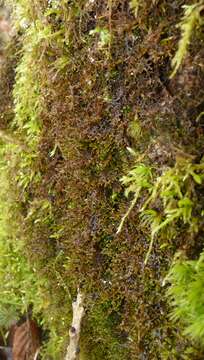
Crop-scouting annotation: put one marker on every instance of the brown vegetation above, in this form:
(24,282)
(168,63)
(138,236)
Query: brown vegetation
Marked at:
(114,92)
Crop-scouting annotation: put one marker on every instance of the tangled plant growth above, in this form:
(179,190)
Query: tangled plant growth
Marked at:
(92,80)
(137,180)
(19,285)
(172,194)
(186,294)
(191,20)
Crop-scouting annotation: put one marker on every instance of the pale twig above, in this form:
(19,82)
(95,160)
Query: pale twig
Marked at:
(74,332)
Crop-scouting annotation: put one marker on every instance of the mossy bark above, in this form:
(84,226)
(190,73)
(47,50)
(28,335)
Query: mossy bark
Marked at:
(103,84)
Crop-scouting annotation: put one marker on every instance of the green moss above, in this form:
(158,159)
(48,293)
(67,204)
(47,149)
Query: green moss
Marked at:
(186,278)
(99,335)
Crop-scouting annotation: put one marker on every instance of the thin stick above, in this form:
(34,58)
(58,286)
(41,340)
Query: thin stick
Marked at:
(74,332)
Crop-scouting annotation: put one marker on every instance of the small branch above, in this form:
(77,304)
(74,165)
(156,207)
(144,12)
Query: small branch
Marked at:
(74,332)
(36,354)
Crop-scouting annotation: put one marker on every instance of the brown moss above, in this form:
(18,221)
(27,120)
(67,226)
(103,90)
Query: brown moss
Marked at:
(8,63)
(88,107)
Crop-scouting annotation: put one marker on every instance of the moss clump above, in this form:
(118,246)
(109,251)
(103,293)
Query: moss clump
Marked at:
(92,81)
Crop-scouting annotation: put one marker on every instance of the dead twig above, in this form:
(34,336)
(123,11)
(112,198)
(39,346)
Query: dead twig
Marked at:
(74,332)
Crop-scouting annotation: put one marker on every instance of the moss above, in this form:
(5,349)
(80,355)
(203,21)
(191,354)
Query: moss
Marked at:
(100,337)
(91,102)
(7,73)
